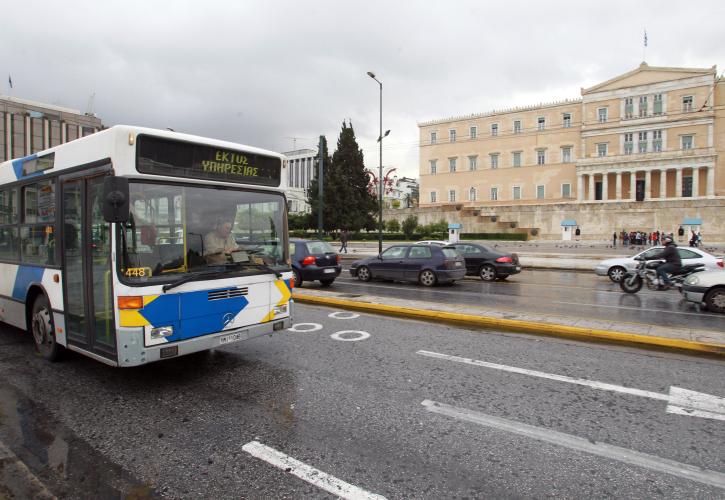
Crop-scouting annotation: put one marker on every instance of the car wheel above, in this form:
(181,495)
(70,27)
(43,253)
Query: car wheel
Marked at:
(363,273)
(487,272)
(43,331)
(715,300)
(298,278)
(616,273)
(427,278)
(327,282)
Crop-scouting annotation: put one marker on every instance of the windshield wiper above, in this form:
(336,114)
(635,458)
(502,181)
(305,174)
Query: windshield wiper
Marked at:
(261,267)
(193,277)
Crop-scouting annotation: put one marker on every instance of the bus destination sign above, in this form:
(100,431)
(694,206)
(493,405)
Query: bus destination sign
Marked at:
(161,156)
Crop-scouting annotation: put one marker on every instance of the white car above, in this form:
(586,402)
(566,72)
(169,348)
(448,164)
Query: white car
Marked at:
(615,268)
(437,243)
(707,287)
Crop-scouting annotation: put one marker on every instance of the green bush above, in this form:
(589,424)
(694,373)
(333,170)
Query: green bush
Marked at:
(495,236)
(393,226)
(410,224)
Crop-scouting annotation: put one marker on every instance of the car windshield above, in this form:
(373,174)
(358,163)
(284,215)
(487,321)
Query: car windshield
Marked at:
(175,230)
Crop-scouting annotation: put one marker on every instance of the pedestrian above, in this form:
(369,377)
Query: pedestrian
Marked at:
(343,240)
(614,239)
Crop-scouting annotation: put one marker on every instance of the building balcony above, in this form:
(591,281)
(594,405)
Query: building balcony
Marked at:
(671,155)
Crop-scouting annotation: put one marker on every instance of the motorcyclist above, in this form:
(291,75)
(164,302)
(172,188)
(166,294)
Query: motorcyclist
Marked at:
(673,262)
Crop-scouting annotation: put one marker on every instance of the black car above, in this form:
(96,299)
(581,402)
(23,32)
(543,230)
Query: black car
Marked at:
(424,264)
(314,260)
(488,264)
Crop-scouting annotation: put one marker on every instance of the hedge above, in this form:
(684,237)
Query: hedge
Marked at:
(495,236)
(373,236)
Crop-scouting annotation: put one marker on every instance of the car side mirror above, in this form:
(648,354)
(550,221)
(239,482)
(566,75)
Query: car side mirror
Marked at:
(115,199)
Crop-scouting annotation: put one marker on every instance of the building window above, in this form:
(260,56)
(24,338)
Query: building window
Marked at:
(602,115)
(516,158)
(517,126)
(517,192)
(628,107)
(657,104)
(472,194)
(452,135)
(687,142)
(657,140)
(567,120)
(473,162)
(602,149)
(433,137)
(452,164)
(494,194)
(433,166)
(687,103)
(643,106)
(494,129)
(566,154)
(451,195)
(566,190)
(540,156)
(494,160)
(687,187)
(628,143)
(541,123)
(432,196)
(540,192)
(473,131)
(642,144)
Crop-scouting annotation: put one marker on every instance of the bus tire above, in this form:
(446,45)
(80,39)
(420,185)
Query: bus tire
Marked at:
(42,329)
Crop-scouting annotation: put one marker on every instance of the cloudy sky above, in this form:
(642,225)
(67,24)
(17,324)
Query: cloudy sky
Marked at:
(278,74)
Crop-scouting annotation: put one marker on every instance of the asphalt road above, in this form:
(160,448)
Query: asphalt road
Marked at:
(391,414)
(567,293)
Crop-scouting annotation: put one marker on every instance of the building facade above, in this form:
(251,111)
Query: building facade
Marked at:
(651,140)
(301,166)
(402,194)
(27,127)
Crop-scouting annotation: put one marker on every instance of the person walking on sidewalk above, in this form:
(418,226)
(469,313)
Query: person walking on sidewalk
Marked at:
(343,240)
(614,239)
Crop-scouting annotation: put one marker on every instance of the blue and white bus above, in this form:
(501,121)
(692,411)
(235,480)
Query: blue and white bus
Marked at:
(133,245)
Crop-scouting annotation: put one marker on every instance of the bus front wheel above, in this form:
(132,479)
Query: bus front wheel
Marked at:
(43,331)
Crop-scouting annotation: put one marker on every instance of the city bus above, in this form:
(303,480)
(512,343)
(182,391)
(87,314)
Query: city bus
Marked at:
(134,245)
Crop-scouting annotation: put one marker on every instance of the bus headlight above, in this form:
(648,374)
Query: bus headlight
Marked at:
(162,332)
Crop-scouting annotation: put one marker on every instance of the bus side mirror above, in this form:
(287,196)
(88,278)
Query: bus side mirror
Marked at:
(115,199)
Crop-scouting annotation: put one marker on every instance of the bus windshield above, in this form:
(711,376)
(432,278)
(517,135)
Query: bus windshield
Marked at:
(175,230)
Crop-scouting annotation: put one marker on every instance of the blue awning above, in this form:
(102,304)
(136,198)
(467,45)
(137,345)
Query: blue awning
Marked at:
(454,226)
(569,222)
(692,221)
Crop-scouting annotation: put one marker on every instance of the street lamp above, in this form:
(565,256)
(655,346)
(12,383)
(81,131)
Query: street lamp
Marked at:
(380,191)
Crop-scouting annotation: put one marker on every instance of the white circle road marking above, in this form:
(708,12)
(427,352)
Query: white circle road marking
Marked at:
(339,335)
(343,315)
(308,327)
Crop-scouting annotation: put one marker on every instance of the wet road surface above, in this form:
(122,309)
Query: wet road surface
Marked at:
(549,292)
(355,410)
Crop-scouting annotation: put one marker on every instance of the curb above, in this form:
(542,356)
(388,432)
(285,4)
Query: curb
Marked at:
(17,481)
(515,325)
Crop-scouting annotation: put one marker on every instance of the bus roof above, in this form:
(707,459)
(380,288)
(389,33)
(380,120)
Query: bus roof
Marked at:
(112,143)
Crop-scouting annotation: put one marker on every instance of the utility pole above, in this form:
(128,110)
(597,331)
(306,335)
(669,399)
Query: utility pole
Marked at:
(321,201)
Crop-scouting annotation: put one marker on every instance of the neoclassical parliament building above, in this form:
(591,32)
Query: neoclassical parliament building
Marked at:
(642,151)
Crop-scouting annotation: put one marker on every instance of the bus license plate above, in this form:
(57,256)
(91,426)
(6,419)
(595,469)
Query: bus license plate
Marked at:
(232,337)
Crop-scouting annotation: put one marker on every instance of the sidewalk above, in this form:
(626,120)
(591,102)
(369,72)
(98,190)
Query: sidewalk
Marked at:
(636,334)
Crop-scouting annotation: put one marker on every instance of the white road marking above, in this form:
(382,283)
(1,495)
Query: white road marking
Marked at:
(360,335)
(605,450)
(305,327)
(343,315)
(680,401)
(307,473)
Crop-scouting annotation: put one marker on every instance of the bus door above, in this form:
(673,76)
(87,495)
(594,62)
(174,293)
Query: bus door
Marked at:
(87,269)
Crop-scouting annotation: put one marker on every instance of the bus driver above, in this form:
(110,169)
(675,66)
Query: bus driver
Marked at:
(219,242)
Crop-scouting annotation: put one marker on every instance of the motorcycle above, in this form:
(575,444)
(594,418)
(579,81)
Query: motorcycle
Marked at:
(646,273)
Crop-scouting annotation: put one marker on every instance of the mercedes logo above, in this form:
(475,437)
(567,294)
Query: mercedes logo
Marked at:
(227,318)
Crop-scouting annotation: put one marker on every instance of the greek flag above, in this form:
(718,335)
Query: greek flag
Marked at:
(645,38)
(10,81)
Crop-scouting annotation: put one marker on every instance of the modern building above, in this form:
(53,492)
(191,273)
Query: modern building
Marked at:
(301,166)
(402,194)
(27,127)
(642,151)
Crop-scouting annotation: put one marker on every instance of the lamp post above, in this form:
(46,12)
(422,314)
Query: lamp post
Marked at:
(380,141)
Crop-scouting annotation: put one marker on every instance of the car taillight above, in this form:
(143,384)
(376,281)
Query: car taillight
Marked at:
(338,258)
(720,263)
(309,260)
(505,260)
(450,264)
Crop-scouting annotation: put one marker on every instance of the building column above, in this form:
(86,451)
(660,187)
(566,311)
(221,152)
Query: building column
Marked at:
(678,183)
(605,186)
(648,185)
(592,195)
(663,183)
(618,186)
(710,181)
(633,185)
(695,182)
(580,187)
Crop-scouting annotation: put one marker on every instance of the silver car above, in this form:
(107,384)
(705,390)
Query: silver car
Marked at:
(616,268)
(707,287)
